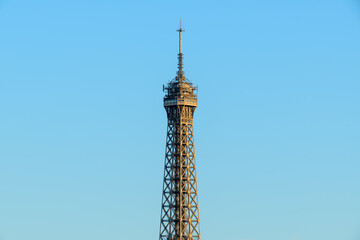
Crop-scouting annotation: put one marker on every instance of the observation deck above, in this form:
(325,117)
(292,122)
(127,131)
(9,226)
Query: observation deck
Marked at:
(180,93)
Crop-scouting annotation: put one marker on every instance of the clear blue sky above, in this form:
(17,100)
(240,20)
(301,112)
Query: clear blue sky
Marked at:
(82,126)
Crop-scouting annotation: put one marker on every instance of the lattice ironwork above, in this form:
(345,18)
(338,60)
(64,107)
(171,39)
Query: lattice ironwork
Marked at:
(180,207)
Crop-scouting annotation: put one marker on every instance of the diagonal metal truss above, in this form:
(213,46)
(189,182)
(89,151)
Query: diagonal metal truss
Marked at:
(180,208)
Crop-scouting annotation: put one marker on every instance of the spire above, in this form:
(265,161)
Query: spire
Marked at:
(180,30)
(180,64)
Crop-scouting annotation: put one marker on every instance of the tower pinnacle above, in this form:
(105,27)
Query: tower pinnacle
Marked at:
(180,30)
(180,72)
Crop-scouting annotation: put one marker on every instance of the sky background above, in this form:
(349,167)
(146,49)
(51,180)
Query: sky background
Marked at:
(82,124)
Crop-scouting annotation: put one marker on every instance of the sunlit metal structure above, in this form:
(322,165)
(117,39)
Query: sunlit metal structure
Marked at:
(180,207)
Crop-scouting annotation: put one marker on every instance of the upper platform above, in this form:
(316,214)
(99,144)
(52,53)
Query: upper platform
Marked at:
(180,93)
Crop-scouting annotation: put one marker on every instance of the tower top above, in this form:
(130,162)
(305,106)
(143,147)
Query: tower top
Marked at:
(180,91)
(180,72)
(180,30)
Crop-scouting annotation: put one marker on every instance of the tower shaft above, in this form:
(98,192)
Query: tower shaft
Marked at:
(180,208)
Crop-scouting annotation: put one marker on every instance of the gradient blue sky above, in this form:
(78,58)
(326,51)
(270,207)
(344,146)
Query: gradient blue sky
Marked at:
(82,126)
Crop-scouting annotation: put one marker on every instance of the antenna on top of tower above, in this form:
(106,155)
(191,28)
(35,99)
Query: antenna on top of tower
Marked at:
(180,72)
(180,30)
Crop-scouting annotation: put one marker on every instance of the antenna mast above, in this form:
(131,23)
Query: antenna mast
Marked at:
(180,76)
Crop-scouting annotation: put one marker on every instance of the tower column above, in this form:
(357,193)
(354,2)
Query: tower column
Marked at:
(180,208)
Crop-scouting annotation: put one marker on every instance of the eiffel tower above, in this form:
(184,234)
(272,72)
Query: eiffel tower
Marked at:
(180,206)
